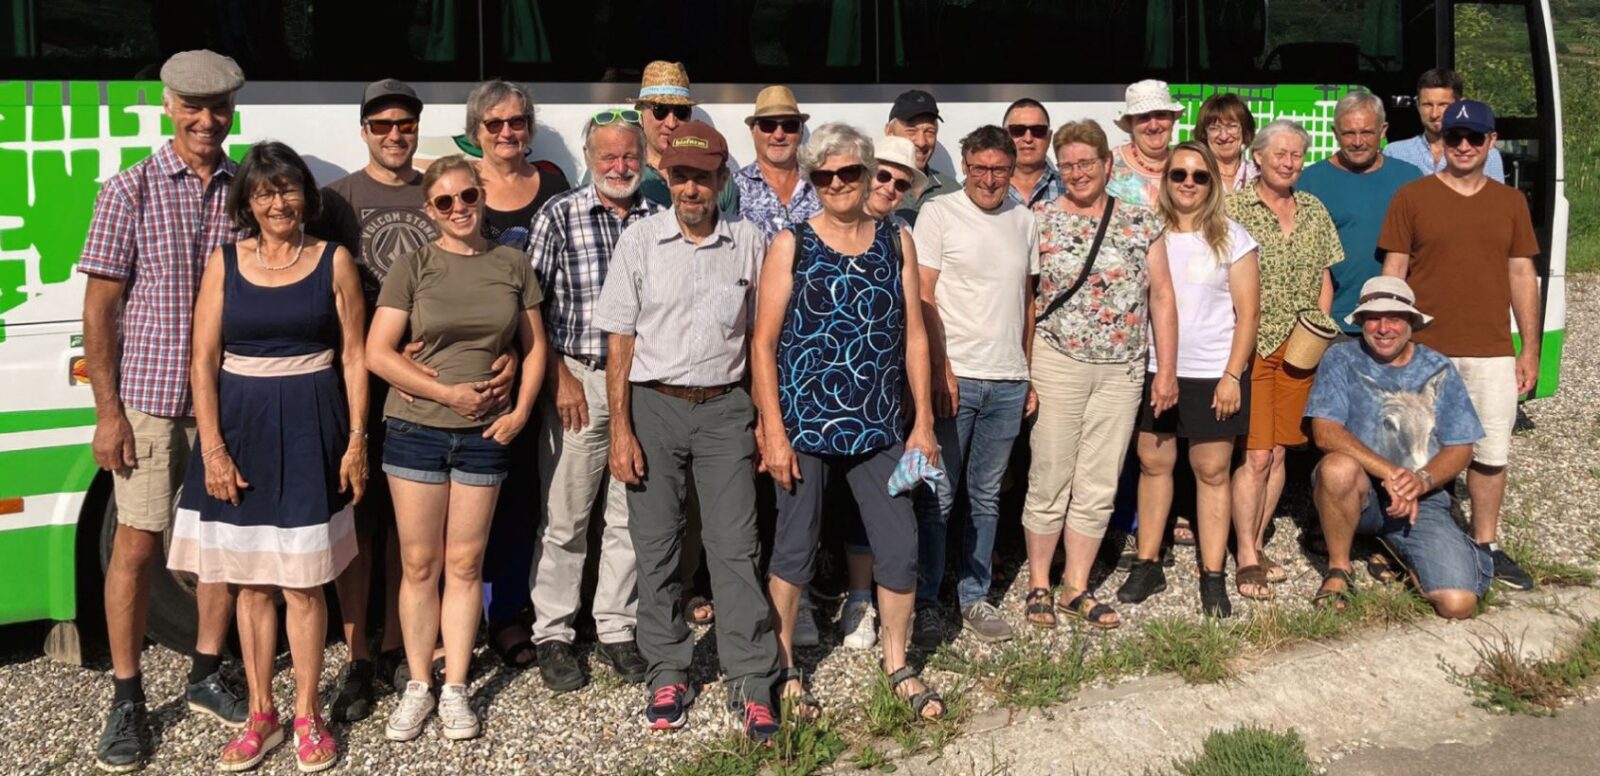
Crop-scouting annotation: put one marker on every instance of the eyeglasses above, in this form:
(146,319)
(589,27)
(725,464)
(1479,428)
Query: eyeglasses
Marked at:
(1224,128)
(1085,167)
(980,171)
(445,203)
(265,196)
(680,111)
(1181,175)
(382,127)
(900,184)
(1453,137)
(625,115)
(847,175)
(518,124)
(1039,131)
(769,126)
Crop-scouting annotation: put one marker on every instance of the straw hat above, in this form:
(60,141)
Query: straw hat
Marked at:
(664,83)
(776,102)
(1388,294)
(1147,96)
(898,151)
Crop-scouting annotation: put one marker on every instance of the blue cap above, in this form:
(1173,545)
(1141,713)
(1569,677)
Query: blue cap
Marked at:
(1468,114)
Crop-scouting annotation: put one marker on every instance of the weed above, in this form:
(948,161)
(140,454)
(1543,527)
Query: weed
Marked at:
(798,749)
(1505,680)
(1032,675)
(1545,569)
(1200,652)
(871,758)
(1248,750)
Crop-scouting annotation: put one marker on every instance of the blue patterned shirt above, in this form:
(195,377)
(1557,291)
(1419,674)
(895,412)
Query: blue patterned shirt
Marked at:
(1048,189)
(759,203)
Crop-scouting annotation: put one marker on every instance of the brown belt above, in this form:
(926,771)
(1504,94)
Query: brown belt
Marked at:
(691,395)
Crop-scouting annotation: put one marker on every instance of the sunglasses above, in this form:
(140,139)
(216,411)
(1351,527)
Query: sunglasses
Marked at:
(382,127)
(900,184)
(769,126)
(1039,131)
(1180,175)
(624,115)
(680,111)
(1453,138)
(847,175)
(445,203)
(518,124)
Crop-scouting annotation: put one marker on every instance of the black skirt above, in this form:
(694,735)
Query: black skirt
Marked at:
(1192,417)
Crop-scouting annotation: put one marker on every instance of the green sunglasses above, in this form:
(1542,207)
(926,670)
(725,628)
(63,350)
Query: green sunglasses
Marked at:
(612,116)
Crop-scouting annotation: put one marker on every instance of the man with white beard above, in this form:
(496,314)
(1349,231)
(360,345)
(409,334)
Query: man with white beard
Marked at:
(570,245)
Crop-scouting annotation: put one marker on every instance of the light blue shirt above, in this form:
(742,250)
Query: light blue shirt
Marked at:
(1403,413)
(1415,150)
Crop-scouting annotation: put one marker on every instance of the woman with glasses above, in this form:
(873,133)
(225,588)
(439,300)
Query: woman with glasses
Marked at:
(838,338)
(266,503)
(1212,263)
(500,122)
(446,453)
(1227,128)
(1148,115)
(1103,282)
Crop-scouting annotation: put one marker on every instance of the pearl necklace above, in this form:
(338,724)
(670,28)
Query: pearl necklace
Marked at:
(292,262)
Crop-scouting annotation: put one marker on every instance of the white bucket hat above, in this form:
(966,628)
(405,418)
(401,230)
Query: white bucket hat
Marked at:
(900,152)
(1388,294)
(1147,96)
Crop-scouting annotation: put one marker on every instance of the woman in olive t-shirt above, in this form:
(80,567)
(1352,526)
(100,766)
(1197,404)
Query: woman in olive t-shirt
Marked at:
(445,453)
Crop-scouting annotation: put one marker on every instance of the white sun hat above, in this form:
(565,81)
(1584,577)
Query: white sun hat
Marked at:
(1147,96)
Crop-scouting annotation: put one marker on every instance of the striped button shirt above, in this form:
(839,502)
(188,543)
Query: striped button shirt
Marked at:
(570,245)
(154,226)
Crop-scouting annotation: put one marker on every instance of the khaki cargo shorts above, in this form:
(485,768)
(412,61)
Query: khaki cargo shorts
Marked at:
(147,495)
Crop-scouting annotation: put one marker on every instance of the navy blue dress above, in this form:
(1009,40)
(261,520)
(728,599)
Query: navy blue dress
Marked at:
(285,421)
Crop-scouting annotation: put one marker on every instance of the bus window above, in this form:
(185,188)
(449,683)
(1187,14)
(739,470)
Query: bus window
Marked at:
(1494,55)
(1311,41)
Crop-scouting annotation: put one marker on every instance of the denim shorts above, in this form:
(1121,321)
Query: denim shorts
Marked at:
(1443,555)
(433,455)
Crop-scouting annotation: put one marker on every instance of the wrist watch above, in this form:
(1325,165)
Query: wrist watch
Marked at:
(1427,479)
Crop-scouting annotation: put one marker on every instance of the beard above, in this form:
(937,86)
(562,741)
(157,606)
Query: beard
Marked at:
(616,189)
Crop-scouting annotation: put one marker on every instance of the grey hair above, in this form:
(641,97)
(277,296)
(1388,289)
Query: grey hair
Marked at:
(837,139)
(1265,135)
(491,93)
(590,126)
(1359,101)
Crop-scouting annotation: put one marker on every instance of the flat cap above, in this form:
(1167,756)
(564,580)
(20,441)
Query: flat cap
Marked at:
(201,73)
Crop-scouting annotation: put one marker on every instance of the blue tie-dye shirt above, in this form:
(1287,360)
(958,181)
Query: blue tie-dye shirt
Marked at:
(1403,413)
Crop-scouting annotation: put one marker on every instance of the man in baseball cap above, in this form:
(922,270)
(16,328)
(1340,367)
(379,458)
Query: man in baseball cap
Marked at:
(915,117)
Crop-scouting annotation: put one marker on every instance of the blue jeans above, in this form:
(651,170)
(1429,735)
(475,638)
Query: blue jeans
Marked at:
(1443,555)
(975,443)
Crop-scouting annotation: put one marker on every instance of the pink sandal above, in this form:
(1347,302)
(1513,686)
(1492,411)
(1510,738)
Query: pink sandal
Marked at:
(315,749)
(251,743)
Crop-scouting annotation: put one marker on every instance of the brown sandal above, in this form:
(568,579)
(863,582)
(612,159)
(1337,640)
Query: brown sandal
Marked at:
(1276,573)
(1254,576)
(1040,610)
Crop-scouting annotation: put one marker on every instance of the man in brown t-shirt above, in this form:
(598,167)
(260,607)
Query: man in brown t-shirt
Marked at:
(1466,244)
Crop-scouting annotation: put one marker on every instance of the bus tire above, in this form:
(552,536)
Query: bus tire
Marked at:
(172,618)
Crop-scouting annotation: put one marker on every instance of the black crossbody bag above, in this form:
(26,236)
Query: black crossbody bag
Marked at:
(1088,264)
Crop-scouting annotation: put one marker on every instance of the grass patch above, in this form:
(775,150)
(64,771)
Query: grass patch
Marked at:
(798,749)
(1545,569)
(1507,681)
(870,758)
(1200,652)
(1248,750)
(890,716)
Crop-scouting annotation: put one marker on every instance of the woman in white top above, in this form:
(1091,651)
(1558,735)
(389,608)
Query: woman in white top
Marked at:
(1217,284)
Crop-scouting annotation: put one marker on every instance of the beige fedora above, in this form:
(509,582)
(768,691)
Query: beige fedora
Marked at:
(1388,294)
(776,102)
(664,83)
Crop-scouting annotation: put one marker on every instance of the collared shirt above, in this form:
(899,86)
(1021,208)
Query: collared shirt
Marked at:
(1291,264)
(939,184)
(759,203)
(570,244)
(1416,151)
(1047,189)
(690,306)
(1248,171)
(154,227)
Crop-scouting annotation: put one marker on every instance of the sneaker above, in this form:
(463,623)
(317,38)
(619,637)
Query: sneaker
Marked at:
(1145,579)
(405,722)
(122,742)
(757,721)
(805,626)
(1506,570)
(858,621)
(352,693)
(669,708)
(456,718)
(624,658)
(558,665)
(211,696)
(927,629)
(985,622)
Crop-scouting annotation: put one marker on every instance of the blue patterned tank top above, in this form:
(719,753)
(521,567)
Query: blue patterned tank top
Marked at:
(841,357)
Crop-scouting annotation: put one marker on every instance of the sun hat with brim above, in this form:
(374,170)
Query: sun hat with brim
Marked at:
(776,102)
(1388,294)
(898,151)
(1147,96)
(664,83)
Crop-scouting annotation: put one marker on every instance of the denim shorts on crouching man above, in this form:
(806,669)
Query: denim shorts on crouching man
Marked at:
(1443,555)
(434,455)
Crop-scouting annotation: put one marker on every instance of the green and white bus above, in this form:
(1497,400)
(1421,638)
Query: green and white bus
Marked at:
(77,104)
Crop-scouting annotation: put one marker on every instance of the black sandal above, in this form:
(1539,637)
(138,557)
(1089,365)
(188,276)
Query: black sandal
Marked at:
(806,708)
(1338,599)
(513,644)
(1214,594)
(1040,610)
(920,701)
(1090,611)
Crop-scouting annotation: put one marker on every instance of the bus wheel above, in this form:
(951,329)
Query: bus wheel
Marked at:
(172,616)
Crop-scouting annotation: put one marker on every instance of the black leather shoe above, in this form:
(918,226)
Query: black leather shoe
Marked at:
(624,658)
(211,696)
(558,665)
(122,742)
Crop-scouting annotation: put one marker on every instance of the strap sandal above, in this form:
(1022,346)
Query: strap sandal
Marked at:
(803,705)
(1252,576)
(512,643)
(261,734)
(1337,599)
(919,701)
(315,748)
(1183,532)
(699,610)
(1040,610)
(1088,609)
(1276,573)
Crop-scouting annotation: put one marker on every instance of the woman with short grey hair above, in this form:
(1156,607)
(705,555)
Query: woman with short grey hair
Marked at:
(500,127)
(837,139)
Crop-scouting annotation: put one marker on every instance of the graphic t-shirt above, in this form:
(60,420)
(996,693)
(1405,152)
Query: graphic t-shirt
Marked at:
(377,222)
(1357,203)
(1403,413)
(1202,285)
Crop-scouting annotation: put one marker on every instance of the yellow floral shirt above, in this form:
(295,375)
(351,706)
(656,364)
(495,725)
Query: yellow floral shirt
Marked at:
(1291,264)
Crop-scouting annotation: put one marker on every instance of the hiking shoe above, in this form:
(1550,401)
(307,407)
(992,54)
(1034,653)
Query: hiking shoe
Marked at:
(122,742)
(352,694)
(669,708)
(457,720)
(1506,570)
(927,629)
(405,722)
(857,622)
(211,696)
(757,721)
(1145,579)
(985,622)
(805,626)
(1214,594)
(558,665)
(624,658)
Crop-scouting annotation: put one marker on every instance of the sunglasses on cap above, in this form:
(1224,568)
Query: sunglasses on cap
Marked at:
(445,203)
(1039,131)
(518,124)
(381,127)
(1180,175)
(624,115)
(769,126)
(660,111)
(900,184)
(1453,137)
(847,175)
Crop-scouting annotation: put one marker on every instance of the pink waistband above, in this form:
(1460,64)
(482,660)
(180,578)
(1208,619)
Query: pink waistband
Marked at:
(277,366)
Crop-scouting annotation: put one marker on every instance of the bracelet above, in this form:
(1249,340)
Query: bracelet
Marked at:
(206,455)
(361,431)
(1235,377)
(1426,478)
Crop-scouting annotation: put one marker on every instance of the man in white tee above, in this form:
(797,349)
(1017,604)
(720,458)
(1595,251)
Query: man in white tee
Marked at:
(978,251)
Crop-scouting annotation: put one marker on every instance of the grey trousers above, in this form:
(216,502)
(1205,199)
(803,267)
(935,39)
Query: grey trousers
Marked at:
(715,442)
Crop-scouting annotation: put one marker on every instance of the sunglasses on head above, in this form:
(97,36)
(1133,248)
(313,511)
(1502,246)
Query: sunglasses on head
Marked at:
(381,127)
(824,178)
(445,203)
(769,126)
(518,123)
(900,184)
(1039,131)
(680,111)
(1453,137)
(1179,175)
(624,115)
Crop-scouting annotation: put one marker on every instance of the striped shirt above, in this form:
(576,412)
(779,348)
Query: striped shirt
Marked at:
(154,226)
(570,245)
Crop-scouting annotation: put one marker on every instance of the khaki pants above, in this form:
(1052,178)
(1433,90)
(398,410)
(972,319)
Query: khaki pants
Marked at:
(161,447)
(1492,385)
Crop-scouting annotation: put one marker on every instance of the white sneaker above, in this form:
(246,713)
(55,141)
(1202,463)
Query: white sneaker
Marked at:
(405,722)
(805,626)
(456,716)
(858,622)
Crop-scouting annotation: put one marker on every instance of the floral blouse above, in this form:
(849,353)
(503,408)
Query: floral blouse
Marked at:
(1291,264)
(1104,322)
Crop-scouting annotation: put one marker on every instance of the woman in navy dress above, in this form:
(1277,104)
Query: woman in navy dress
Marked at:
(266,504)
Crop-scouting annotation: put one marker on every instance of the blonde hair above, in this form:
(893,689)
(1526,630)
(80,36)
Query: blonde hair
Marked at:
(445,165)
(1213,216)
(1087,132)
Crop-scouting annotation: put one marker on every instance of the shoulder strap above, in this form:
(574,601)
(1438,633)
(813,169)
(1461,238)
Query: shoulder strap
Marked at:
(1088,264)
(894,241)
(799,228)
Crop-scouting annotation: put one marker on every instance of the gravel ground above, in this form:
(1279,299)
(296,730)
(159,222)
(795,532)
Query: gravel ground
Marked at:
(56,711)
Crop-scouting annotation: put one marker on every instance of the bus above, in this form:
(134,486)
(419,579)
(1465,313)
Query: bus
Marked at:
(79,103)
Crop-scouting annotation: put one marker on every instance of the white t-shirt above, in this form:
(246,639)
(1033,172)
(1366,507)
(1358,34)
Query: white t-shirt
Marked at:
(1205,302)
(984,259)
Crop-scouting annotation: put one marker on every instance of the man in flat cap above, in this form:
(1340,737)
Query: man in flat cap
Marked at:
(153,228)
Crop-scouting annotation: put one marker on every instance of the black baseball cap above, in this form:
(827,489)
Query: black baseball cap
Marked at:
(390,90)
(914,103)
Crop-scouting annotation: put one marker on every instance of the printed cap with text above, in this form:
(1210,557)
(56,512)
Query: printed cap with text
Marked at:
(1470,115)
(695,144)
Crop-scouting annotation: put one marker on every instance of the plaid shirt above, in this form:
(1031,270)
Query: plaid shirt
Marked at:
(570,245)
(154,227)
(1048,189)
